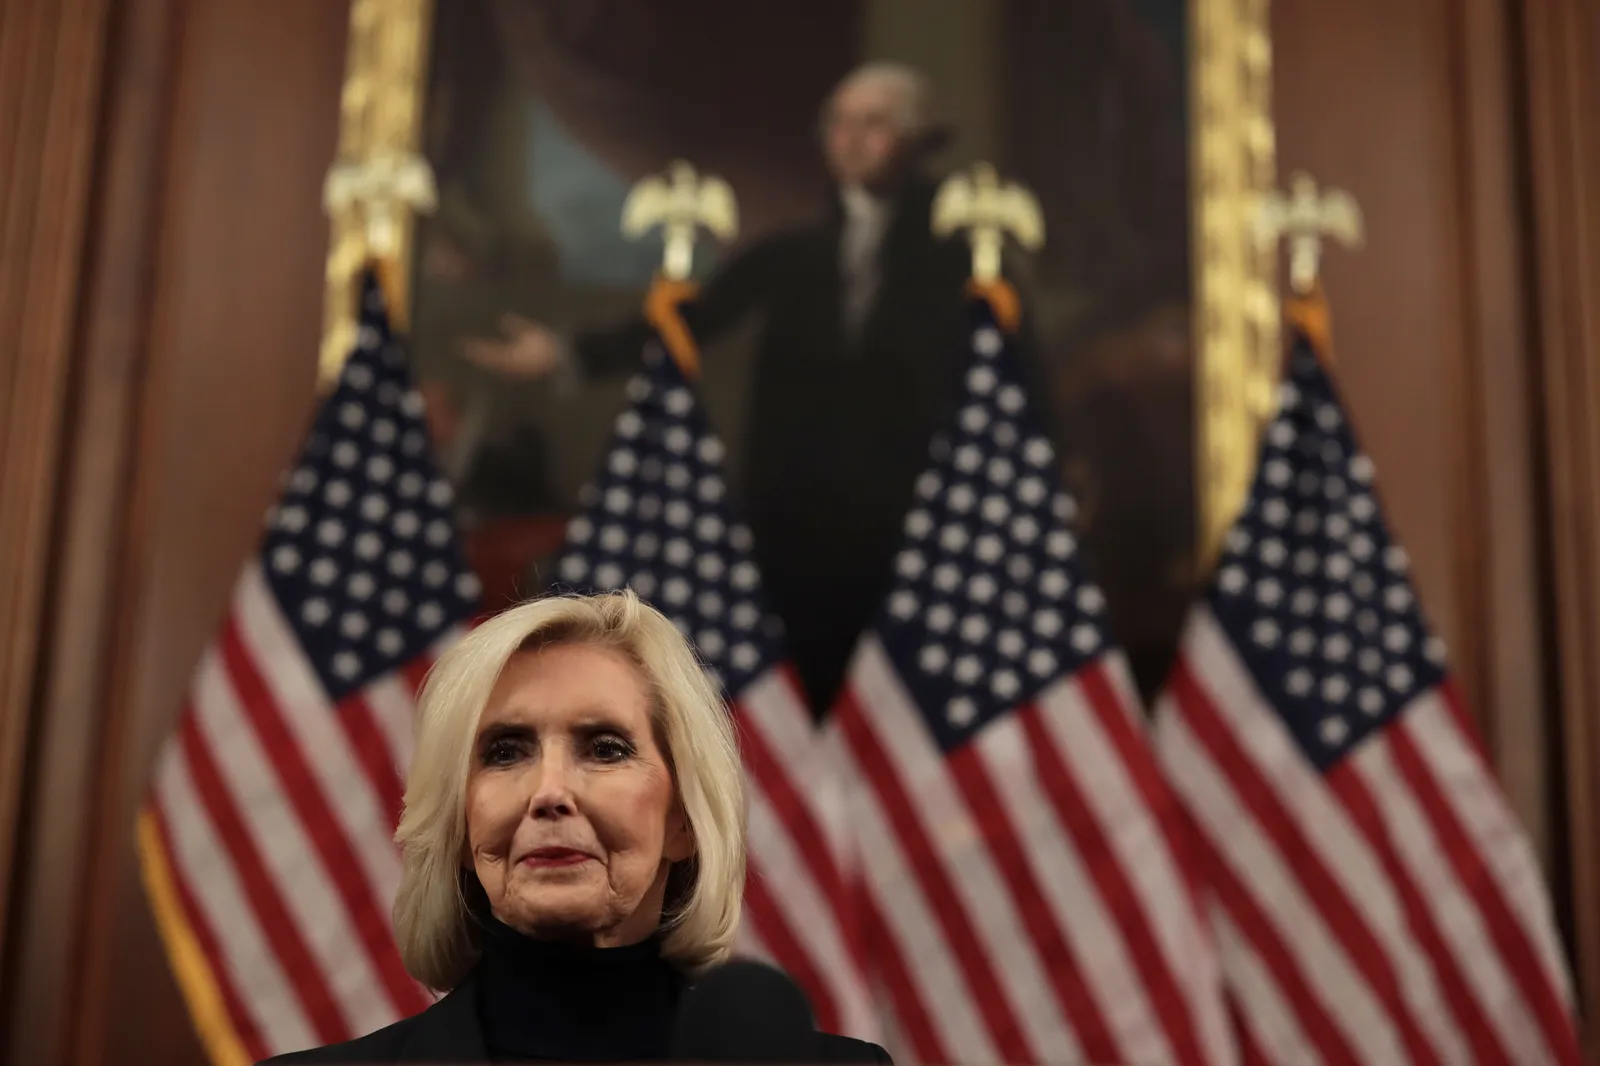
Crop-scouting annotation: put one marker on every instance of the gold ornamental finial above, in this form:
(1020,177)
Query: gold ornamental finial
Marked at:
(1304,216)
(680,201)
(381,189)
(978,202)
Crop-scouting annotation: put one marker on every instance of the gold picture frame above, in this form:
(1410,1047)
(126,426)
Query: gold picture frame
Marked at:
(380,122)
(1232,156)
(1236,306)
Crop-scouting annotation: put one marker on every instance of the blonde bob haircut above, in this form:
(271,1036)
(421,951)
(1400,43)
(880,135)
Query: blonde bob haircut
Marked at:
(433,920)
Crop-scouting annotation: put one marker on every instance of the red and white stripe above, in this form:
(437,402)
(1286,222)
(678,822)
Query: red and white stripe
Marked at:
(277,812)
(1386,911)
(1030,893)
(798,907)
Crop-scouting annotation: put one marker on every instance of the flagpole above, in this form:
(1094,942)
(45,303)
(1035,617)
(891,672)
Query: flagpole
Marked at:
(679,202)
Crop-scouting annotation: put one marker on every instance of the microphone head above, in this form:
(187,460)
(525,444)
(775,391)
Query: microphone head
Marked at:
(747,1012)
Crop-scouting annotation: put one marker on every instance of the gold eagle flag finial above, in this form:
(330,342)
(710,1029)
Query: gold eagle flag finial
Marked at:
(977,201)
(369,202)
(381,188)
(1303,217)
(679,202)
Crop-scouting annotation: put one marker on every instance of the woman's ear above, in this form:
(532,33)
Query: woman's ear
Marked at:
(679,844)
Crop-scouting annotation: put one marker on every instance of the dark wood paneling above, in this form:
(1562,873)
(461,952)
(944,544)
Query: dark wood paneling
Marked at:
(1407,106)
(1561,59)
(196,372)
(1497,494)
(233,347)
(50,64)
(69,747)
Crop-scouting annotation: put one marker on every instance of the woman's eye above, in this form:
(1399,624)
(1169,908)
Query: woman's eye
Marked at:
(611,749)
(500,753)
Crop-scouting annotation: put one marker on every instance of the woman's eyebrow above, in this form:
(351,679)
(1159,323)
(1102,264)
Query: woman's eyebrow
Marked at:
(500,730)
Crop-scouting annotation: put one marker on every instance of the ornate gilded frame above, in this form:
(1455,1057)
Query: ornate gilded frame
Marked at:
(1236,306)
(1236,320)
(380,121)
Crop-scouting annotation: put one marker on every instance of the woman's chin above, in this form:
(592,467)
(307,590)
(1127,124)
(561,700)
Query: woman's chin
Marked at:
(556,913)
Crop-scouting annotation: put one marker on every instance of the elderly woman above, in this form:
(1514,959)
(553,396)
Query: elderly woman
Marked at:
(573,841)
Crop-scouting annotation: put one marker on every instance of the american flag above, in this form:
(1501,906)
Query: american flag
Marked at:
(266,838)
(1029,891)
(1375,900)
(657,519)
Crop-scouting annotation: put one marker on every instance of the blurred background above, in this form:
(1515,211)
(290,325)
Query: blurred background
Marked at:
(542,117)
(162,269)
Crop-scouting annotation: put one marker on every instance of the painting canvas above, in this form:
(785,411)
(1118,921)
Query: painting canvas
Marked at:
(542,114)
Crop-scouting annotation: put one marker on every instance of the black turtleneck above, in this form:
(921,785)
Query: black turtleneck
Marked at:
(548,1001)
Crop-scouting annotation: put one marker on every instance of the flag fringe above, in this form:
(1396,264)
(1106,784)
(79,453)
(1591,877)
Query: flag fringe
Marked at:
(1310,314)
(189,965)
(1003,301)
(661,310)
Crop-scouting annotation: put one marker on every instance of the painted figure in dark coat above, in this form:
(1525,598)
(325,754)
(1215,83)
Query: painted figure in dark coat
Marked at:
(857,365)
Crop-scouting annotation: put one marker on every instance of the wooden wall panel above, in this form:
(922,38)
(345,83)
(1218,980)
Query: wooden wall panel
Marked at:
(198,364)
(50,66)
(233,357)
(109,353)
(1561,60)
(1504,553)
(1409,107)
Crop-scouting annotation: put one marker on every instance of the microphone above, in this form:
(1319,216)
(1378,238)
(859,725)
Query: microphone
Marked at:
(745,1012)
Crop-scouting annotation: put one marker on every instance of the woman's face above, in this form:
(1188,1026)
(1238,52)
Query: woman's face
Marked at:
(572,816)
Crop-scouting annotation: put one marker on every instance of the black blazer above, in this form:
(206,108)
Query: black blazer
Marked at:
(449,1034)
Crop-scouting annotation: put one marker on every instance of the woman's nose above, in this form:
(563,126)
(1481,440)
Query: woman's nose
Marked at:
(552,786)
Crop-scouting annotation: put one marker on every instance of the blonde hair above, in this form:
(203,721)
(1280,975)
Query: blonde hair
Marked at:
(432,920)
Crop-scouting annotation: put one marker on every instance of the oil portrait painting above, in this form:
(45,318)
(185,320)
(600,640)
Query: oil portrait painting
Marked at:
(541,115)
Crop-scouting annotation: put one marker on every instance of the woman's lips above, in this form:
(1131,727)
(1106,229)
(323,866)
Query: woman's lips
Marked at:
(550,857)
